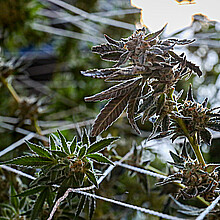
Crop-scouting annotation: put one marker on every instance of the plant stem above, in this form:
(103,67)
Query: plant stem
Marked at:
(153,169)
(192,140)
(37,127)
(11,90)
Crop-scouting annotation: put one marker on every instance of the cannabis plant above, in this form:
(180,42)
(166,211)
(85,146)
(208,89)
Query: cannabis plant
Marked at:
(60,166)
(147,70)
(145,84)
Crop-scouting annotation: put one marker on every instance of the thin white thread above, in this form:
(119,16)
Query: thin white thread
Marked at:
(17,172)
(22,131)
(139,170)
(208,209)
(69,126)
(126,205)
(93,17)
(16,144)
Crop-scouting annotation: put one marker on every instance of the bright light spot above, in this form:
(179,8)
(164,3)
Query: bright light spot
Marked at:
(156,13)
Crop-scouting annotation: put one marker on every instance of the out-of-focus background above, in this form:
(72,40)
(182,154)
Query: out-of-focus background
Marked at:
(46,43)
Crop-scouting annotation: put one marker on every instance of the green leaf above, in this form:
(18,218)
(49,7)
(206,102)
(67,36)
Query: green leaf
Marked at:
(59,153)
(100,158)
(206,136)
(63,141)
(41,180)
(57,167)
(50,197)
(101,144)
(52,143)
(152,36)
(176,158)
(82,151)
(81,205)
(38,150)
(14,200)
(92,206)
(73,145)
(22,203)
(29,161)
(68,182)
(85,138)
(38,205)
(92,178)
(210,167)
(31,191)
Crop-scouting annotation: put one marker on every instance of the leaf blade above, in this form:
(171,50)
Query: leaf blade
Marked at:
(133,107)
(101,144)
(92,178)
(31,191)
(63,142)
(38,204)
(29,161)
(99,158)
(114,91)
(38,149)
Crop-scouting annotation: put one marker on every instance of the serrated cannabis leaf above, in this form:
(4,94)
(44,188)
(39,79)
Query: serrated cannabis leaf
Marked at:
(92,206)
(72,145)
(81,205)
(13,200)
(38,204)
(63,142)
(101,144)
(31,191)
(59,153)
(133,107)
(85,138)
(52,143)
(29,161)
(115,91)
(176,158)
(100,158)
(38,150)
(82,151)
(109,114)
(152,36)
(92,178)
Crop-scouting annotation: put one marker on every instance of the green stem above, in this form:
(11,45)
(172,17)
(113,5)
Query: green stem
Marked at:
(153,169)
(11,90)
(37,127)
(192,140)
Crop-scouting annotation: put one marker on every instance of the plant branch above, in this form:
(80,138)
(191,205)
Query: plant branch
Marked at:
(192,141)
(11,89)
(37,127)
